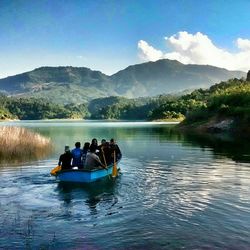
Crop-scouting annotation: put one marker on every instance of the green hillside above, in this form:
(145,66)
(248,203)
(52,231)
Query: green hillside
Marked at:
(168,76)
(223,106)
(58,84)
(77,85)
(223,101)
(36,109)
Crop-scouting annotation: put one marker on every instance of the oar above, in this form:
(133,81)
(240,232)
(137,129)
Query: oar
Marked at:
(104,159)
(114,171)
(55,170)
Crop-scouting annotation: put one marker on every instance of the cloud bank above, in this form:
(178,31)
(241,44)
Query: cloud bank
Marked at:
(199,49)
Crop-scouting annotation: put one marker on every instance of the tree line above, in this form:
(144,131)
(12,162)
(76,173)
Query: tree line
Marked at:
(37,109)
(230,98)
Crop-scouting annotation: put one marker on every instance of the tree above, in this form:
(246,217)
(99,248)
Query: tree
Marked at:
(248,75)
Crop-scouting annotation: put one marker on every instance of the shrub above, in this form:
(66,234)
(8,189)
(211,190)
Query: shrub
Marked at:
(20,144)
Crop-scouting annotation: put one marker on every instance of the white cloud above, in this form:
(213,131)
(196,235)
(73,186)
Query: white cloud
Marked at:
(243,44)
(148,52)
(199,49)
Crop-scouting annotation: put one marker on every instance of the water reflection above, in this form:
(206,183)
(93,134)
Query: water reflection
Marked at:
(176,191)
(236,148)
(92,194)
(68,132)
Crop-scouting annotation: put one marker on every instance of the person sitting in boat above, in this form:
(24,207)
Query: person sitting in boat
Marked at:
(92,160)
(102,145)
(65,159)
(85,150)
(114,148)
(104,151)
(77,155)
(94,144)
(108,153)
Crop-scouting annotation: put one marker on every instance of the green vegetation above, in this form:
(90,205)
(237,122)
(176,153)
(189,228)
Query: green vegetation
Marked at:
(20,144)
(115,107)
(227,99)
(230,99)
(64,85)
(163,107)
(129,109)
(35,109)
(226,107)
(4,112)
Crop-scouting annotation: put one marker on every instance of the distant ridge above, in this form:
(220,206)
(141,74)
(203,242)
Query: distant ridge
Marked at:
(67,84)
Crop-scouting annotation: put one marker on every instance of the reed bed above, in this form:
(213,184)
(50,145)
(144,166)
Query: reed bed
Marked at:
(21,144)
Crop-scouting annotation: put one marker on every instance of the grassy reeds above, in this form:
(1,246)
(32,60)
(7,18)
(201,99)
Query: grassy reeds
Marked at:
(21,144)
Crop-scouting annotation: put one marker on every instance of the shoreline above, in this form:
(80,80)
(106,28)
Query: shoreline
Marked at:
(94,120)
(217,125)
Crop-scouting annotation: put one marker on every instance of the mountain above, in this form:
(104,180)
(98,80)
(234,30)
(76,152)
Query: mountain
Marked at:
(80,84)
(58,84)
(166,76)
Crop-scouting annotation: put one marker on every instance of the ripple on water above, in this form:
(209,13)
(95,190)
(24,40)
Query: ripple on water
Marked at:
(175,195)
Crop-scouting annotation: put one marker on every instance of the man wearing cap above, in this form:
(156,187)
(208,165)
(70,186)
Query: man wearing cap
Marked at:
(65,159)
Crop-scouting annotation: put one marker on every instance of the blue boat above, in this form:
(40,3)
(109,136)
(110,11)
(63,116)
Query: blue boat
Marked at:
(84,175)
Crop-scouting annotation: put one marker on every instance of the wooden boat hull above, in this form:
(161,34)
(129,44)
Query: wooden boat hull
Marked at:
(83,175)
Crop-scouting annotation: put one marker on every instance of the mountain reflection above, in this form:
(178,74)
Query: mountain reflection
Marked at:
(139,136)
(235,148)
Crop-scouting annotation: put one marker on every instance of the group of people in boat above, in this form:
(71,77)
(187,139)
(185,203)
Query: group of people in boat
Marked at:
(91,156)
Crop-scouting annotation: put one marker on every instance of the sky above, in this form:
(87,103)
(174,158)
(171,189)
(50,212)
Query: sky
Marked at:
(109,35)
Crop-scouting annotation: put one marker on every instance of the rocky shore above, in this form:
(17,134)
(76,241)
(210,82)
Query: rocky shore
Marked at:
(216,125)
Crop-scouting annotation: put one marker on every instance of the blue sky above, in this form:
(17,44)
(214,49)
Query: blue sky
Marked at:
(110,35)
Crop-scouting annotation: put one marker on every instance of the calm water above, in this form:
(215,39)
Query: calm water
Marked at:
(175,192)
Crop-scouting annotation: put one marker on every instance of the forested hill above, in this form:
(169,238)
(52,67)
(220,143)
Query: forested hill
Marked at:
(223,107)
(168,76)
(228,100)
(59,84)
(78,84)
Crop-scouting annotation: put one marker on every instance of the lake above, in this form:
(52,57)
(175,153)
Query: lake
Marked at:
(175,191)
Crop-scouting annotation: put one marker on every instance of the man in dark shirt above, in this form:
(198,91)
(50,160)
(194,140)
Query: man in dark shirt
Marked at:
(65,159)
(114,148)
(94,144)
(104,152)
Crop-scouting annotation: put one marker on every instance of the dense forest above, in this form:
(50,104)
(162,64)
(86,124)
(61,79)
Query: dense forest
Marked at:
(110,108)
(227,99)
(36,109)
(230,98)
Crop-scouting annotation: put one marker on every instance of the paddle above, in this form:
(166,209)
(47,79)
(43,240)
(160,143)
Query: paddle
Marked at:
(104,159)
(55,170)
(114,171)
